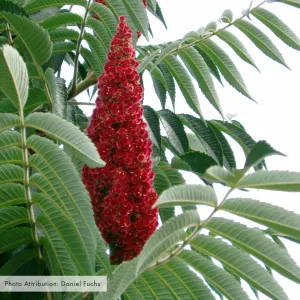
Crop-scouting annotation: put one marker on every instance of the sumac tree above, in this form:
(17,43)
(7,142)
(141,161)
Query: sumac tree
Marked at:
(83,196)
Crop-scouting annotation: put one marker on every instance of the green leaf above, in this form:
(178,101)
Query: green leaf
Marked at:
(200,71)
(225,65)
(101,33)
(257,244)
(67,230)
(36,97)
(97,49)
(17,261)
(8,121)
(237,46)
(212,66)
(11,155)
(14,8)
(105,15)
(56,255)
(118,8)
(12,216)
(219,174)
(206,136)
(36,5)
(170,83)
(295,3)
(146,60)
(13,76)
(279,28)
(32,70)
(138,15)
(148,285)
(157,13)
(260,151)
(59,181)
(166,237)
(185,195)
(272,180)
(228,155)
(153,123)
(175,130)
(165,52)
(66,18)
(11,173)
(15,237)
(58,92)
(216,276)
(237,133)
(166,177)
(156,73)
(35,38)
(227,16)
(184,82)
(92,60)
(266,214)
(9,138)
(181,282)
(122,277)
(260,40)
(197,161)
(11,194)
(160,90)
(63,33)
(67,134)
(102,258)
(240,263)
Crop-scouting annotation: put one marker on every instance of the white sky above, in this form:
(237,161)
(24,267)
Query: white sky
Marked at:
(276,89)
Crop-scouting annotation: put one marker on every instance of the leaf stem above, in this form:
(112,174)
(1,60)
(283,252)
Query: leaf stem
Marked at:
(81,103)
(191,236)
(211,35)
(84,84)
(28,197)
(72,90)
(91,80)
(10,39)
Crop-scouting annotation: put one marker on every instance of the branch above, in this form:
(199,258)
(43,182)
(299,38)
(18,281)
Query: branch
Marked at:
(209,36)
(190,237)
(75,103)
(89,81)
(72,90)
(27,190)
(10,39)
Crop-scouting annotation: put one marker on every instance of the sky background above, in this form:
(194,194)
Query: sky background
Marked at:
(276,89)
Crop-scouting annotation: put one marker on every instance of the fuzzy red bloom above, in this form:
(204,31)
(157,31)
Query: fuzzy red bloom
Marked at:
(122,192)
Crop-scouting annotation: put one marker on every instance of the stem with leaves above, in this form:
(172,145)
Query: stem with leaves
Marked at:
(213,34)
(72,90)
(28,197)
(186,241)
(91,80)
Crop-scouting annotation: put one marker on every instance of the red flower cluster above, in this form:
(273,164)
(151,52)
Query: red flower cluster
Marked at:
(145,5)
(122,192)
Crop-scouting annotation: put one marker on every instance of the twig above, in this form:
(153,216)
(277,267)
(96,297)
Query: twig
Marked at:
(213,34)
(73,88)
(81,103)
(90,80)
(190,237)
(10,39)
